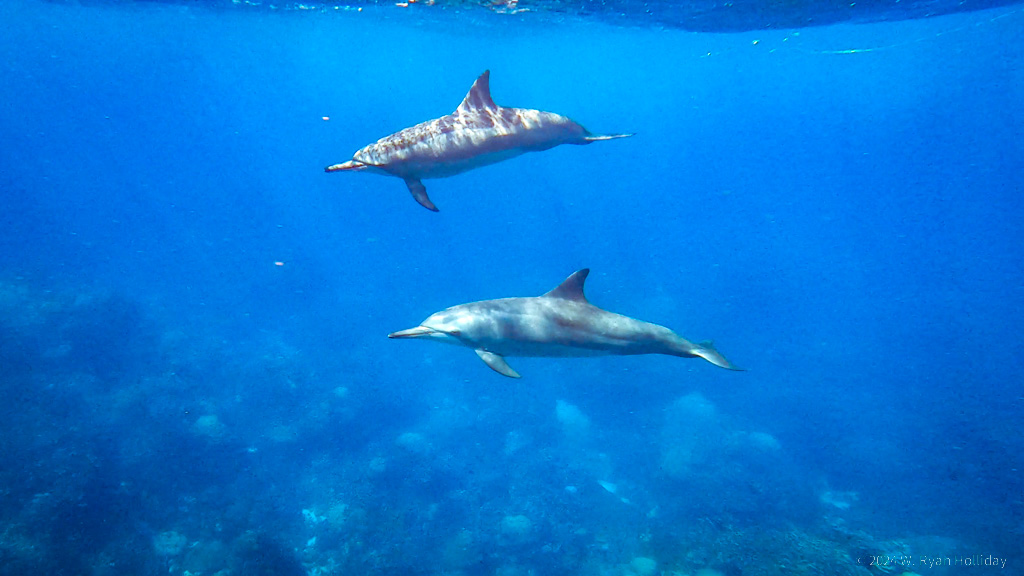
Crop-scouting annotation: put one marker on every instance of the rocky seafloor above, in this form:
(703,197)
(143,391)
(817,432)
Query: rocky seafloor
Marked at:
(136,444)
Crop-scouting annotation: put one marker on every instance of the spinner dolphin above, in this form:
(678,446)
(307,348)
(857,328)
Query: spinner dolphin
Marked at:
(559,323)
(478,133)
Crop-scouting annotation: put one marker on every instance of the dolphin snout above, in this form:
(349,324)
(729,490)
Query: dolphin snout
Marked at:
(354,165)
(412,332)
(599,137)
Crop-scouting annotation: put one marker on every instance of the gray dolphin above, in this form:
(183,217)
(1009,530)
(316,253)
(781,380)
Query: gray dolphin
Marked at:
(478,133)
(559,323)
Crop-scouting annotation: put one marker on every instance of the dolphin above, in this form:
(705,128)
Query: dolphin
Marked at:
(559,323)
(478,133)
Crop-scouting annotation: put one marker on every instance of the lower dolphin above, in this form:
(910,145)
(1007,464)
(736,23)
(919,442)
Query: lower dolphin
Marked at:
(559,323)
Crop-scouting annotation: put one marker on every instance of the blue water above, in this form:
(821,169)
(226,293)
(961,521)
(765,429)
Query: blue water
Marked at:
(193,315)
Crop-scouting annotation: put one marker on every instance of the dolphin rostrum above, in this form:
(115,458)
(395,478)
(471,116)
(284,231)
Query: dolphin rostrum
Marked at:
(478,133)
(559,323)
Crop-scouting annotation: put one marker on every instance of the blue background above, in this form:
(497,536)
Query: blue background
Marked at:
(838,208)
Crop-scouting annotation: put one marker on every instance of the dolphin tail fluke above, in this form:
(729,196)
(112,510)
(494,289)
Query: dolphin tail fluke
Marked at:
(707,351)
(497,363)
(600,137)
(419,193)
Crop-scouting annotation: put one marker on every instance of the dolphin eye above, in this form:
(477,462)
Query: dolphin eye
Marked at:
(454,332)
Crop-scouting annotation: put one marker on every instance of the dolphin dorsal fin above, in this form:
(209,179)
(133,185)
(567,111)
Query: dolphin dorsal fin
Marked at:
(479,97)
(572,288)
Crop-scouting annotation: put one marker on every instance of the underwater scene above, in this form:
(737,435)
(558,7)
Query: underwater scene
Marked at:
(511,288)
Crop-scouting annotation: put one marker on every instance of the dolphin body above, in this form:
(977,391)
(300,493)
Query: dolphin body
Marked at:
(478,133)
(559,323)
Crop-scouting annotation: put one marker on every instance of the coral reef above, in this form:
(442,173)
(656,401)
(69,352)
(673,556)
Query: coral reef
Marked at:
(575,424)
(185,452)
(169,543)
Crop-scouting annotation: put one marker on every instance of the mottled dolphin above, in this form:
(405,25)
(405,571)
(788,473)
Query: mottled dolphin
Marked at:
(559,323)
(478,133)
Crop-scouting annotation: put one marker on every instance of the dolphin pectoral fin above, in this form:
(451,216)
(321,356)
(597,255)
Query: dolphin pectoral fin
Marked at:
(600,137)
(497,363)
(707,351)
(419,193)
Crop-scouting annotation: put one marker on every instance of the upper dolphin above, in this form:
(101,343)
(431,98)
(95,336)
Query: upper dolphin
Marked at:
(478,133)
(559,323)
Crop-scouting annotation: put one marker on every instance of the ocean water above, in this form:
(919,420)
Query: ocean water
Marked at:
(194,366)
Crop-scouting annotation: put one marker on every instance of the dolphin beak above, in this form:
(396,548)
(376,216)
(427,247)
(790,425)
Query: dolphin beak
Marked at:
(599,137)
(353,165)
(416,332)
